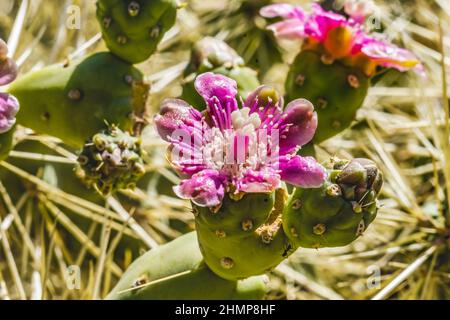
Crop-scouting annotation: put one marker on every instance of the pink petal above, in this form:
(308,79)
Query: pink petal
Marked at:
(205,189)
(219,93)
(8,71)
(322,21)
(300,120)
(9,106)
(303,172)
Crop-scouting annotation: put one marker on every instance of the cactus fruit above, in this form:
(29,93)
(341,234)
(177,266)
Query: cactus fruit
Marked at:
(176,271)
(75,101)
(132,29)
(337,213)
(111,160)
(337,91)
(243,237)
(211,54)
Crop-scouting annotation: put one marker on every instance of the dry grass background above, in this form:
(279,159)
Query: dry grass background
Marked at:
(403,126)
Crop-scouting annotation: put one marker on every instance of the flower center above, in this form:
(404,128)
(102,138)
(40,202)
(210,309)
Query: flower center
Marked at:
(244,122)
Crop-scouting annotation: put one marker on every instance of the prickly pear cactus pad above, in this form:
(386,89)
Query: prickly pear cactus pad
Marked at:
(9,106)
(232,159)
(111,160)
(211,54)
(132,29)
(77,100)
(177,271)
(337,60)
(337,213)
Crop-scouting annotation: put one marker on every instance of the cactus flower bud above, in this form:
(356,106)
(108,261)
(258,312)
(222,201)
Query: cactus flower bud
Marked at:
(110,161)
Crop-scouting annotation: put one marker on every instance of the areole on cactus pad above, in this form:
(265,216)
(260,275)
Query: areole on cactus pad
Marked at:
(132,29)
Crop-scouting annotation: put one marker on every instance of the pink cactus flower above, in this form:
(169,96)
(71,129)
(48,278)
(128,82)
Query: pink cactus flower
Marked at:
(340,37)
(9,105)
(246,147)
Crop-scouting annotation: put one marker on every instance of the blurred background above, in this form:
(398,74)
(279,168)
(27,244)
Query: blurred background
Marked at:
(53,232)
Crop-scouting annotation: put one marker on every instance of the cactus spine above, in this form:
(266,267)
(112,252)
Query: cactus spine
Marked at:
(132,29)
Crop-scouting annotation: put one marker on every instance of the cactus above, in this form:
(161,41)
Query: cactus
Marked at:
(110,161)
(243,237)
(337,62)
(337,91)
(337,213)
(211,54)
(75,101)
(132,29)
(176,271)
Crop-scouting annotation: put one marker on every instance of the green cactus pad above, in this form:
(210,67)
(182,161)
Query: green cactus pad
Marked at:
(6,143)
(132,29)
(111,160)
(244,237)
(213,55)
(337,91)
(75,101)
(176,271)
(337,213)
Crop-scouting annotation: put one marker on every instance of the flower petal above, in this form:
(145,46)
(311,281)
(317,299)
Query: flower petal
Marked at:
(298,126)
(388,55)
(205,189)
(288,29)
(9,106)
(8,71)
(303,172)
(176,114)
(283,10)
(258,181)
(219,93)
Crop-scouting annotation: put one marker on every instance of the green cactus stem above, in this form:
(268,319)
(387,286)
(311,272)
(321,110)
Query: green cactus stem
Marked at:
(111,160)
(75,101)
(132,29)
(337,213)
(337,91)
(244,237)
(176,271)
(213,55)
